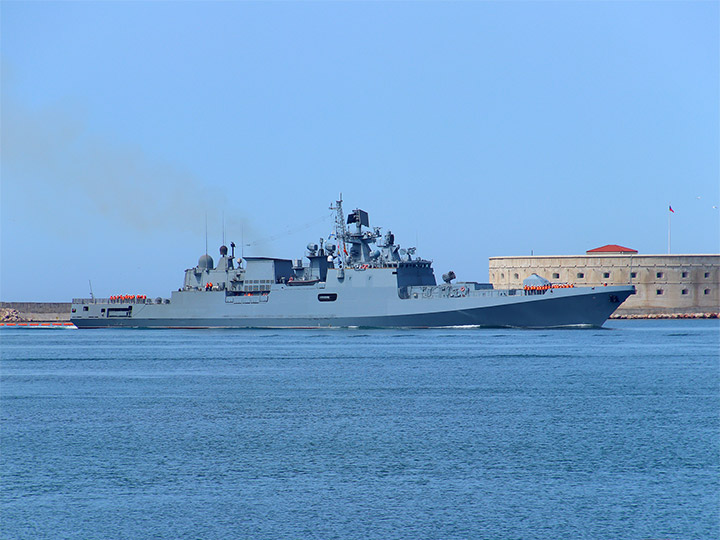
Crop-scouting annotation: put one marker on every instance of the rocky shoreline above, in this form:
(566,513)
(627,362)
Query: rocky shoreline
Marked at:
(710,315)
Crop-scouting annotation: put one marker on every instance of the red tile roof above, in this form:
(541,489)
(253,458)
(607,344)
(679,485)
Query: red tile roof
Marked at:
(612,248)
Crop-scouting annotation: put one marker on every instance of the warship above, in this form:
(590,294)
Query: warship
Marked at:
(357,277)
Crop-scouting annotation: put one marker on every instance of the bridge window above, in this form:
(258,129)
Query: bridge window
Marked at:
(516,276)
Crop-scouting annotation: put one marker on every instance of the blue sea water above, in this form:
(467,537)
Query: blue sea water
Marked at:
(362,434)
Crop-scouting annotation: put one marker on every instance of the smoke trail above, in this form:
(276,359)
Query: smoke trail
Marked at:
(62,165)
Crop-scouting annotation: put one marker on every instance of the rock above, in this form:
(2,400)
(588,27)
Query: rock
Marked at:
(10,315)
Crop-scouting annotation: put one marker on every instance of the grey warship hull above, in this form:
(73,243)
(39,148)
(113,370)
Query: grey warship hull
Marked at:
(352,286)
(576,307)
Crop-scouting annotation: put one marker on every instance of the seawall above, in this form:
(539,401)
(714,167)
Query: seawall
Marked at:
(34,311)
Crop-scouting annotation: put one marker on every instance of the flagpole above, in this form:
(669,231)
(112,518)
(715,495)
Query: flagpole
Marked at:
(669,228)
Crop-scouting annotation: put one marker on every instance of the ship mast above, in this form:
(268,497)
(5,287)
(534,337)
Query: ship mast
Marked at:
(340,235)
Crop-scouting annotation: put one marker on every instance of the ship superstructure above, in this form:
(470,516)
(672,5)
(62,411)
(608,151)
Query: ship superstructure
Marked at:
(358,277)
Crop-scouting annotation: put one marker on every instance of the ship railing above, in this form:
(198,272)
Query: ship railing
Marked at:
(462,290)
(534,292)
(459,290)
(117,301)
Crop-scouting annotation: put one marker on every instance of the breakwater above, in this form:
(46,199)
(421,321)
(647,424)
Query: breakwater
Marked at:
(34,311)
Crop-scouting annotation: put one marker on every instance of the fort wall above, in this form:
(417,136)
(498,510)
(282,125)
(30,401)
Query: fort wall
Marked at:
(666,284)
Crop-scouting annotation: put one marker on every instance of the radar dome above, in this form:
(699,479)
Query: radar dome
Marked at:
(223,250)
(206,262)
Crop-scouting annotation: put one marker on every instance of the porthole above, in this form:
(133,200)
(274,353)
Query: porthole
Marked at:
(580,275)
(684,291)
(658,274)
(659,292)
(606,274)
(556,275)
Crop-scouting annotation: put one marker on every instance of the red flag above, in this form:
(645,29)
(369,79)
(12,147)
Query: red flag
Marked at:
(670,207)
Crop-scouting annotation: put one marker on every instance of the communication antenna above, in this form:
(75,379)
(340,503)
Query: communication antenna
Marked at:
(206,233)
(223,215)
(91,293)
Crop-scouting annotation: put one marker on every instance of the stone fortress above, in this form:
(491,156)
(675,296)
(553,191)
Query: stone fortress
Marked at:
(667,285)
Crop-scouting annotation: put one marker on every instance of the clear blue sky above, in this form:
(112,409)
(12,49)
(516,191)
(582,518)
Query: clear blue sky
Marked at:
(472,129)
